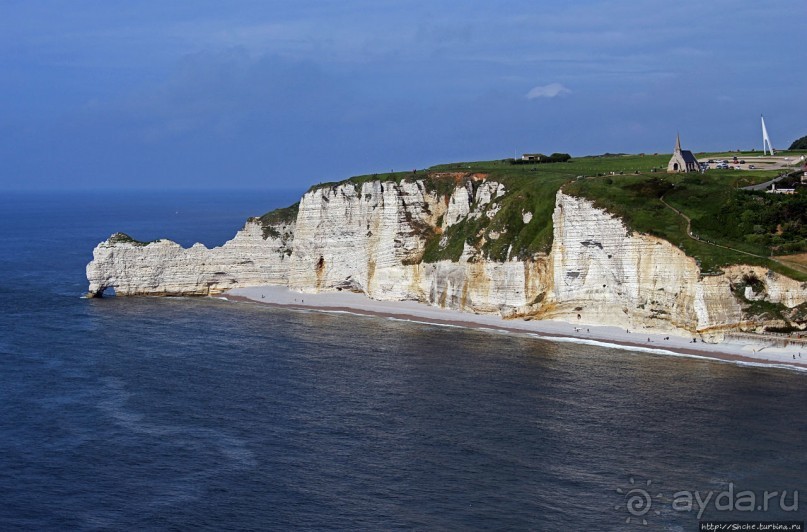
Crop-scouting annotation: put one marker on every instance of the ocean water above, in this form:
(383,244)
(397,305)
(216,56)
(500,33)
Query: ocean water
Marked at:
(201,414)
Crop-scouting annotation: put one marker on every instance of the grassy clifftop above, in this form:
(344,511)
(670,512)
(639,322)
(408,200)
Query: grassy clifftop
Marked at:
(750,226)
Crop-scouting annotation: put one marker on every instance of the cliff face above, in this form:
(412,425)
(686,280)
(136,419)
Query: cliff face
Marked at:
(606,274)
(350,237)
(372,237)
(166,268)
(609,275)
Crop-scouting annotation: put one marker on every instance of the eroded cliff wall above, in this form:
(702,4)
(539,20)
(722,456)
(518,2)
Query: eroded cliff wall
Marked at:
(164,267)
(371,238)
(348,236)
(607,274)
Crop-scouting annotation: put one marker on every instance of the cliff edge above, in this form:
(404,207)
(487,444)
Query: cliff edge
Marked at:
(409,240)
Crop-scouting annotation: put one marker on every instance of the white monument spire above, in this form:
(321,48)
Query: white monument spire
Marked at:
(766,140)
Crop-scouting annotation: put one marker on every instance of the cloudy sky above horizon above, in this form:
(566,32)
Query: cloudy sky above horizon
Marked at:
(261,94)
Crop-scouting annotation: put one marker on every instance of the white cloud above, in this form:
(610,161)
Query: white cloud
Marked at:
(547,91)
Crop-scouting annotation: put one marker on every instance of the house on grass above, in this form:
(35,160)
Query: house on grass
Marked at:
(682,160)
(532,157)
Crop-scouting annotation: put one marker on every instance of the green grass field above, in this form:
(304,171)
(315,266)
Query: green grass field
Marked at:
(631,187)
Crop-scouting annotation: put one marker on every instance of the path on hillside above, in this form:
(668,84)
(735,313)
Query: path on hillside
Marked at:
(766,184)
(699,239)
(786,264)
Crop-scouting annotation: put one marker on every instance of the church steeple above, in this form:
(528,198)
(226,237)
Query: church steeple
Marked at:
(682,160)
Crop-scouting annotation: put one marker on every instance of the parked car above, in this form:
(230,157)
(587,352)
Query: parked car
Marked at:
(742,161)
(751,166)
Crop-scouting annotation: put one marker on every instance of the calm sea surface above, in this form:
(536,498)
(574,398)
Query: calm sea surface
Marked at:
(202,414)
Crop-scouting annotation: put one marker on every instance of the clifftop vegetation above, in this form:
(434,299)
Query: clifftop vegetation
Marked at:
(750,226)
(123,238)
(285,216)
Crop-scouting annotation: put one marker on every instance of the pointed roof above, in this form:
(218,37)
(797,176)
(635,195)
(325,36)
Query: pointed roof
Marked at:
(689,157)
(677,143)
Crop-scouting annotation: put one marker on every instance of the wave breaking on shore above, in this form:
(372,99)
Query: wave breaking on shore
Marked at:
(745,354)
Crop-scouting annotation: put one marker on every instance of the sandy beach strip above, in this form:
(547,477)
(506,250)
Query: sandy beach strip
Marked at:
(736,352)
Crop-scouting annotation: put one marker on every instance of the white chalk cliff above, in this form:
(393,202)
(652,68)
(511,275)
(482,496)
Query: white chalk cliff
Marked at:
(372,237)
(165,268)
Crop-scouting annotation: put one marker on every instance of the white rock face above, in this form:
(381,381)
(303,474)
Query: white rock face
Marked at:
(775,288)
(607,275)
(484,287)
(370,238)
(459,206)
(166,268)
(346,236)
(489,191)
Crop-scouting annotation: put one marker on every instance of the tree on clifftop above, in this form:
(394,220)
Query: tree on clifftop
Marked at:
(799,144)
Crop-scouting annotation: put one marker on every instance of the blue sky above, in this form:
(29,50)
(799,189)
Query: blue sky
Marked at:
(262,94)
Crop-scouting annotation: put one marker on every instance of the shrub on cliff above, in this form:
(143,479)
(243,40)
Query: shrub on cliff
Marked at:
(284,216)
(123,238)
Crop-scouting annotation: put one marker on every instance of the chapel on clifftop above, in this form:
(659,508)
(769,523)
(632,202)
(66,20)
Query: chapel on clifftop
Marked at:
(682,160)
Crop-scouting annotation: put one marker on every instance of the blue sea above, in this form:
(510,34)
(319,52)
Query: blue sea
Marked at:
(203,414)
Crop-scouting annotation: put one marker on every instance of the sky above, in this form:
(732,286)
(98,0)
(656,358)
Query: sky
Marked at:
(114,94)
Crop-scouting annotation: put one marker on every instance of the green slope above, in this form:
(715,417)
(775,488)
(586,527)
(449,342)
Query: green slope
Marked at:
(631,187)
